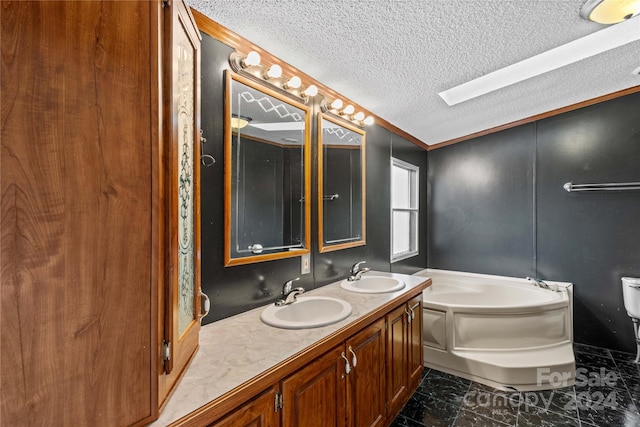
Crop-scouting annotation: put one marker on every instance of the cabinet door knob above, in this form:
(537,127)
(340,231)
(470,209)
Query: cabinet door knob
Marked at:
(354,359)
(347,367)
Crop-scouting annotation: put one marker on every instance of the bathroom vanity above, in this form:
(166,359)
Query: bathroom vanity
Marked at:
(361,370)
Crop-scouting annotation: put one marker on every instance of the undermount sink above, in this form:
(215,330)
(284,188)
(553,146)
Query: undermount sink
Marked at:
(306,312)
(373,285)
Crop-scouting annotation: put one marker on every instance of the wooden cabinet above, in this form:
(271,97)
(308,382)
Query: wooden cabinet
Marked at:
(89,170)
(404,352)
(259,412)
(366,383)
(343,387)
(181,312)
(315,395)
(415,351)
(397,387)
(362,381)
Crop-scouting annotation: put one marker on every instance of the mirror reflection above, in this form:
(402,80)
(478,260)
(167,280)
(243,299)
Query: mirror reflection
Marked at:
(341,184)
(267,174)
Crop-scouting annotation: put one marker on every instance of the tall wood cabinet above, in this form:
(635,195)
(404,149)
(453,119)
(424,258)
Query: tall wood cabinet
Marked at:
(91,159)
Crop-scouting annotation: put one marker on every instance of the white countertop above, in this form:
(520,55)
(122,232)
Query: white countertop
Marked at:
(236,349)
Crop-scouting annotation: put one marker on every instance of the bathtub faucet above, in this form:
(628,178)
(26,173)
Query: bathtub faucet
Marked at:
(357,272)
(542,284)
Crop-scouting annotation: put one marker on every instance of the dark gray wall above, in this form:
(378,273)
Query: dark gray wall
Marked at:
(484,217)
(239,288)
(481,204)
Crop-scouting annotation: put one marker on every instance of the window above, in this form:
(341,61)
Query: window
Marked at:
(404,210)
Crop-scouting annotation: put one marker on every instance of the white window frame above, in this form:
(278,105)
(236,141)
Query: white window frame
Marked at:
(413,209)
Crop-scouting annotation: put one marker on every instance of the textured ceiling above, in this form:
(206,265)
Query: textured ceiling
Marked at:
(394,56)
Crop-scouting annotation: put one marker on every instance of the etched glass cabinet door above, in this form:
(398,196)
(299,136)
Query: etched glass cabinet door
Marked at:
(182,223)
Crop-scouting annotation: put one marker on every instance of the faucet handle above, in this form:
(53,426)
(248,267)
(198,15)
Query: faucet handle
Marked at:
(287,286)
(356,267)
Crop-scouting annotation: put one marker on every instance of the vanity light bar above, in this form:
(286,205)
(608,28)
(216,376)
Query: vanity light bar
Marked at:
(250,66)
(348,113)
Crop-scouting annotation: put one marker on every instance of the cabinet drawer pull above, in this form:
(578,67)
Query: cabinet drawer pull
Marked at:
(409,317)
(347,367)
(354,359)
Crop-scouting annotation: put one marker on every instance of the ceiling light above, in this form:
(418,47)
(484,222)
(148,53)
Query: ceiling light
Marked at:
(238,122)
(251,60)
(336,104)
(274,72)
(359,116)
(312,90)
(609,11)
(293,83)
(369,120)
(349,109)
(577,50)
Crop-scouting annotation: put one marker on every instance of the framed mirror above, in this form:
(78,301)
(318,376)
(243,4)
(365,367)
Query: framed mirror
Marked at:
(341,184)
(267,173)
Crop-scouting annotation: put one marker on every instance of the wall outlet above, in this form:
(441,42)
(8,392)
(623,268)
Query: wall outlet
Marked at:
(305,264)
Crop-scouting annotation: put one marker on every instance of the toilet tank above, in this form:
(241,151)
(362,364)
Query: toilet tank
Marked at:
(631,295)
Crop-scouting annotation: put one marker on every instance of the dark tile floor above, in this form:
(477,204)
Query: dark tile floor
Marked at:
(607,393)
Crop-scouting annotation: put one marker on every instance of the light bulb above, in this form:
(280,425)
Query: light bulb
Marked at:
(337,104)
(369,120)
(274,72)
(252,59)
(312,90)
(359,116)
(349,109)
(293,83)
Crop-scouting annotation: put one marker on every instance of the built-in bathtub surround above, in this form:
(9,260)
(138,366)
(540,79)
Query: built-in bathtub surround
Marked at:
(503,332)
(241,349)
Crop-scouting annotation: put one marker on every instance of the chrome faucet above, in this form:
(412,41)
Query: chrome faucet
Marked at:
(542,284)
(290,295)
(357,272)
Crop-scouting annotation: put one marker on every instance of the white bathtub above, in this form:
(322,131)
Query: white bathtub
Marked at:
(500,331)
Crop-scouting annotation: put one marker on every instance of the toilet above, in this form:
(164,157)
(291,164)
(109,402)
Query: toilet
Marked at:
(631,295)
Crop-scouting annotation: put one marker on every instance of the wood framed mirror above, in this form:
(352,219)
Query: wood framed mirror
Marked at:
(341,184)
(267,173)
